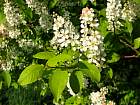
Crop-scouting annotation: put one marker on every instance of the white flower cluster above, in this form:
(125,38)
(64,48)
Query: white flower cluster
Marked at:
(13,18)
(6,65)
(2,30)
(12,14)
(91,41)
(116,11)
(64,33)
(128,11)
(98,98)
(113,13)
(41,10)
(35,5)
(28,43)
(14,33)
(3,43)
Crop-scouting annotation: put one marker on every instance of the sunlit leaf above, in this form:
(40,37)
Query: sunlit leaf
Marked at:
(44,55)
(53,62)
(137,43)
(57,83)
(129,26)
(30,74)
(90,70)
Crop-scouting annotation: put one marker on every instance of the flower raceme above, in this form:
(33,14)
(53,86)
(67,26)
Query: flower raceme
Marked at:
(64,33)
(98,98)
(42,11)
(89,42)
(113,13)
(13,19)
(116,11)
(128,11)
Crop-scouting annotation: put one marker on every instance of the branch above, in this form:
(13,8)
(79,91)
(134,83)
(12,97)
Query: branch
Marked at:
(133,56)
(137,52)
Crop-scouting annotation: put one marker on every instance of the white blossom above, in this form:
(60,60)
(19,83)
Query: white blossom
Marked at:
(91,41)
(14,19)
(6,65)
(14,33)
(113,13)
(12,14)
(28,43)
(98,98)
(64,33)
(128,11)
(3,43)
(40,9)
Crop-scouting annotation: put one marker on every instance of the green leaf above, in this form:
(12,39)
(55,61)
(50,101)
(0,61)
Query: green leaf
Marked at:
(20,2)
(15,85)
(57,83)
(129,26)
(30,74)
(103,27)
(2,17)
(84,2)
(90,70)
(28,13)
(7,78)
(1,84)
(52,3)
(137,1)
(110,73)
(102,13)
(53,62)
(44,55)
(114,58)
(137,43)
(74,100)
(76,81)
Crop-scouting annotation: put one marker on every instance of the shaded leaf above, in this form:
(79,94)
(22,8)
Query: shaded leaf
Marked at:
(52,3)
(137,1)
(1,84)
(76,81)
(103,27)
(2,17)
(110,73)
(114,58)
(7,78)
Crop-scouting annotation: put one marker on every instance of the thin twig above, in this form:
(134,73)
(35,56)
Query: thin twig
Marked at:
(137,52)
(133,56)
